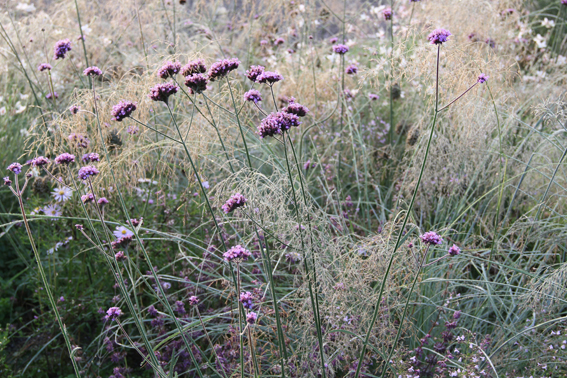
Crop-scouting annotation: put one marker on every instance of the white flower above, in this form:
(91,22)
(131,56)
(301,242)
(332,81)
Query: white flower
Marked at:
(122,231)
(24,132)
(548,23)
(561,60)
(19,108)
(540,41)
(206,184)
(35,211)
(62,194)
(52,210)
(301,8)
(24,96)
(25,7)
(86,29)
(3,110)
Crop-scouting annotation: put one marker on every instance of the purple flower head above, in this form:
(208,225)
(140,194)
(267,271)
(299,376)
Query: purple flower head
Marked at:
(169,69)
(234,202)
(161,92)
(222,67)
(387,14)
(74,109)
(89,197)
(373,96)
(81,140)
(44,66)
(122,110)
(333,40)
(238,253)
(102,201)
(92,71)
(180,307)
(340,49)
(40,161)
(193,300)
(295,108)
(194,67)
(122,242)
(456,315)
(79,227)
(431,238)
(65,158)
(454,250)
(113,313)
(279,41)
(490,42)
(152,311)
(16,168)
(251,317)
(438,36)
(92,156)
(136,222)
(254,72)
(7,181)
(564,2)
(246,300)
(62,47)
(253,96)
(52,95)
(276,123)
(482,78)
(197,82)
(269,77)
(88,171)
(352,69)
(120,256)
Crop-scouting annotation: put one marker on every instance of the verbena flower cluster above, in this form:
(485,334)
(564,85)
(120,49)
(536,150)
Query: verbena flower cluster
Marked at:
(169,69)
(62,47)
(234,202)
(221,68)
(439,36)
(277,123)
(88,171)
(123,110)
(431,238)
(161,92)
(237,253)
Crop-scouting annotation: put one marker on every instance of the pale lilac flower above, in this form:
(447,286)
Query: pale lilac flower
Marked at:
(92,71)
(254,72)
(92,156)
(122,232)
(65,158)
(88,171)
(253,95)
(74,109)
(40,161)
(193,300)
(269,78)
(102,201)
(387,14)
(222,67)
(87,198)
(120,256)
(169,69)
(81,140)
(333,40)
(7,181)
(276,123)
(251,317)
(454,250)
(352,69)
(235,201)
(197,82)
(279,41)
(431,238)
(482,78)
(113,313)
(122,110)
(246,300)
(52,95)
(152,311)
(16,168)
(340,49)
(133,130)
(439,36)
(44,66)
(373,96)
(194,67)
(237,253)
(161,92)
(62,194)
(62,47)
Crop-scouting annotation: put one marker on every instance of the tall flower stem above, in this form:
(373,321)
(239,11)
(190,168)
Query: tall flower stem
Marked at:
(238,122)
(44,280)
(391,74)
(218,134)
(240,313)
(400,233)
(82,38)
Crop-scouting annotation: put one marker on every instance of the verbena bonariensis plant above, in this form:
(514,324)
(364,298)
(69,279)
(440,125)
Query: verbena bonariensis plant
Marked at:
(272,215)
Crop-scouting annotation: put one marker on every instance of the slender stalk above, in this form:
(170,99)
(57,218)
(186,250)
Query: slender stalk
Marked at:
(240,313)
(44,278)
(218,134)
(462,94)
(239,125)
(400,233)
(82,38)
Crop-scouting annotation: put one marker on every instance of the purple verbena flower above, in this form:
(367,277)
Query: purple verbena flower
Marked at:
(44,66)
(193,300)
(62,47)
(152,311)
(431,238)
(161,92)
(254,72)
(276,123)
(237,253)
(235,201)
(91,156)
(456,315)
(79,227)
(439,36)
(74,109)
(89,197)
(246,300)
(269,77)
(352,69)
(16,168)
(92,71)
(122,242)
(122,110)
(295,108)
(279,41)
(194,67)
(454,250)
(65,158)
(387,14)
(102,201)
(222,67)
(113,313)
(253,95)
(88,171)
(81,140)
(52,95)
(482,78)
(373,96)
(180,307)
(40,161)
(333,40)
(251,317)
(340,49)
(7,181)
(169,69)
(120,256)
(197,82)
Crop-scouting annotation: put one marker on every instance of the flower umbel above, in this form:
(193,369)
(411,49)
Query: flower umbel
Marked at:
(439,36)
(234,202)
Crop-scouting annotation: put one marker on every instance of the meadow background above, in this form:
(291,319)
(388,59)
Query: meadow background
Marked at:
(331,214)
